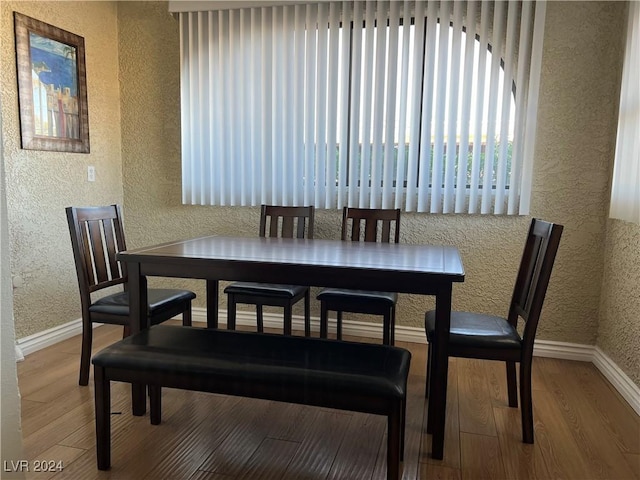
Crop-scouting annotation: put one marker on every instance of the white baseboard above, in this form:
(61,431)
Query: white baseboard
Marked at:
(563,350)
(46,338)
(620,381)
(543,348)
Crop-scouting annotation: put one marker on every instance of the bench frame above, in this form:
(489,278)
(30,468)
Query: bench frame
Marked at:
(393,408)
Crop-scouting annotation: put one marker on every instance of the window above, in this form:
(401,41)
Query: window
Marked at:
(625,189)
(424,106)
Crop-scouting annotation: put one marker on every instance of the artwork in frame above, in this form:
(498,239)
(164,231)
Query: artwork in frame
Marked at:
(52,87)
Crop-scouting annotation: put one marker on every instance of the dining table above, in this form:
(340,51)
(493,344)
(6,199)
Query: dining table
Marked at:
(398,267)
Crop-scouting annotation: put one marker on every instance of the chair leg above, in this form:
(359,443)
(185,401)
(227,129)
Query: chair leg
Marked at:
(339,325)
(392,326)
(307,313)
(428,373)
(433,390)
(512,387)
(388,334)
(186,316)
(85,353)
(386,329)
(394,442)
(155,404)
(126,331)
(288,313)
(102,392)
(526,403)
(231,312)
(324,320)
(260,318)
(403,427)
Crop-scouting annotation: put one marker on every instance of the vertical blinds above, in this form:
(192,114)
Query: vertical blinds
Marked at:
(424,106)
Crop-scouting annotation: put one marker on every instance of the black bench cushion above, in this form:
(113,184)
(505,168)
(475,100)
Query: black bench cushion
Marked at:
(271,289)
(248,357)
(159,298)
(475,329)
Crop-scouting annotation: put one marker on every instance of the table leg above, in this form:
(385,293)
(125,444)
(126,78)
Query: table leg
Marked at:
(139,320)
(438,395)
(212,303)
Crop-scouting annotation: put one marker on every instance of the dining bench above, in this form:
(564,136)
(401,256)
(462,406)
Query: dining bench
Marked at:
(361,377)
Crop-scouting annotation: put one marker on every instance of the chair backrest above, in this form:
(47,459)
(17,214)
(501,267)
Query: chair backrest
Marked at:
(97,235)
(286,222)
(533,277)
(371,224)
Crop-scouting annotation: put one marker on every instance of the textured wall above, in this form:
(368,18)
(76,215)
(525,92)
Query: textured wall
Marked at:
(11,434)
(572,166)
(574,151)
(41,184)
(620,298)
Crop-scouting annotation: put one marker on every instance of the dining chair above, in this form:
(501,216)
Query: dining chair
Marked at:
(489,337)
(368,225)
(97,235)
(282,222)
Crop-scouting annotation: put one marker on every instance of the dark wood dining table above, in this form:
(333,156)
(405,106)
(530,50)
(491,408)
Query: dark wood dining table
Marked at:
(402,268)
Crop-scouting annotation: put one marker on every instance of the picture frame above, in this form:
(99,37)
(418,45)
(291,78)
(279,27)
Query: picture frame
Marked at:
(52,87)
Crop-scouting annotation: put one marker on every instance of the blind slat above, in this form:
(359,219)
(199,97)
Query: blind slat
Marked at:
(390,116)
(477,116)
(333,82)
(501,172)
(625,191)
(465,115)
(442,80)
(345,80)
(426,157)
(414,124)
(402,106)
(521,89)
(362,160)
(318,188)
(354,125)
(375,177)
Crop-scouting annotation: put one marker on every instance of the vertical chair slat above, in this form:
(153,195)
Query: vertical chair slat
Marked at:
(287,227)
(97,247)
(111,248)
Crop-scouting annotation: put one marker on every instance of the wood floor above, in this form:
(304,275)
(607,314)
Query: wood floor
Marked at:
(584,429)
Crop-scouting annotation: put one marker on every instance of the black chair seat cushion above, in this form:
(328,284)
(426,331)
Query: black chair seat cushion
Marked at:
(159,299)
(476,330)
(339,294)
(249,358)
(265,289)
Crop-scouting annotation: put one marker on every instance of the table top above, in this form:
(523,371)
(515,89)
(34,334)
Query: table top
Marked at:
(243,258)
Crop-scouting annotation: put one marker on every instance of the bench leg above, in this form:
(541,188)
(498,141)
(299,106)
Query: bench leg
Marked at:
(138,399)
(403,427)
(155,404)
(394,441)
(102,389)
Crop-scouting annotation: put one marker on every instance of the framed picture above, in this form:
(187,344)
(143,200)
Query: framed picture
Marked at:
(52,87)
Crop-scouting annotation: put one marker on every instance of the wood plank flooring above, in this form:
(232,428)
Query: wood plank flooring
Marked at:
(584,429)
